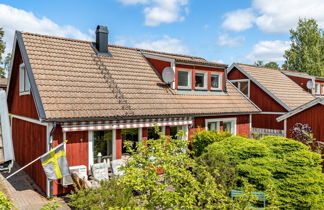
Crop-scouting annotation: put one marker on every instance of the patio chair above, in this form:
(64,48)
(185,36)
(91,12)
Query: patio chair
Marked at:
(116,164)
(100,171)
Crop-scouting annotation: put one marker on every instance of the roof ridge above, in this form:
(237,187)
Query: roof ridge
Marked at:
(259,66)
(112,45)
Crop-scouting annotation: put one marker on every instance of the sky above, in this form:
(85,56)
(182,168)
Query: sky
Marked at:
(220,31)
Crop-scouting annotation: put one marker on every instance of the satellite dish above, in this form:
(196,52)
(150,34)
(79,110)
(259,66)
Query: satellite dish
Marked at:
(310,84)
(168,75)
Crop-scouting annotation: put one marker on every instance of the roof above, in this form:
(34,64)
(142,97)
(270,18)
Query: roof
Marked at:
(301,108)
(3,82)
(71,85)
(297,74)
(280,87)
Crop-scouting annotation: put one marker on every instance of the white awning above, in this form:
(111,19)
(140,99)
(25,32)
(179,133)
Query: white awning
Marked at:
(124,124)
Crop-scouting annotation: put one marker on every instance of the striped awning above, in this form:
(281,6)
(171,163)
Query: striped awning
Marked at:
(122,124)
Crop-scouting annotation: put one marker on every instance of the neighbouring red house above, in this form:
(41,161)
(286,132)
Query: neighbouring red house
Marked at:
(97,95)
(272,91)
(312,84)
(311,113)
(3,84)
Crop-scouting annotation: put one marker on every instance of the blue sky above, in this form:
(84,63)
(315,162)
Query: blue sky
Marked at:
(222,31)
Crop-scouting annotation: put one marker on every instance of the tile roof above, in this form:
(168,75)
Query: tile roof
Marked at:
(71,83)
(3,82)
(279,85)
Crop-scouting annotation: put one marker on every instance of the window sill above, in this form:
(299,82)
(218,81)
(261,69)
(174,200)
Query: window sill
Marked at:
(24,93)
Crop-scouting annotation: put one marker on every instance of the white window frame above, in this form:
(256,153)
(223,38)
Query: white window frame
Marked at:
(205,80)
(220,81)
(24,84)
(239,85)
(218,120)
(189,79)
(317,89)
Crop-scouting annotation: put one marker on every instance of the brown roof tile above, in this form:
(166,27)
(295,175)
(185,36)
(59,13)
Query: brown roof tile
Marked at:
(71,85)
(279,85)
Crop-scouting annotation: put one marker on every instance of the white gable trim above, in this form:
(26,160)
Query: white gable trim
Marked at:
(301,108)
(260,85)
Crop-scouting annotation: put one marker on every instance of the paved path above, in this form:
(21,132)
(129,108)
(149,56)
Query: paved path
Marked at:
(23,192)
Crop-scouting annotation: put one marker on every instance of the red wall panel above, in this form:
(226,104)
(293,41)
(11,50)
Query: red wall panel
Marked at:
(267,121)
(29,142)
(313,116)
(20,105)
(302,82)
(158,64)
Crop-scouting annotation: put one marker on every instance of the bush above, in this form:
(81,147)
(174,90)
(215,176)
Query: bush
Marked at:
(5,203)
(202,138)
(281,167)
(111,194)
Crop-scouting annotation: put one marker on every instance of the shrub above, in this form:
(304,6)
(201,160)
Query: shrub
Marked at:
(5,203)
(283,168)
(111,194)
(202,138)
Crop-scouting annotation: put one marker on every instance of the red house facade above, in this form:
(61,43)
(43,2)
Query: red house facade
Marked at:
(97,96)
(272,91)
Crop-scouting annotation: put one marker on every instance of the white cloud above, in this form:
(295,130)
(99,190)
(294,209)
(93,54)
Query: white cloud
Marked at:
(161,11)
(12,19)
(225,40)
(280,16)
(239,20)
(275,16)
(166,44)
(268,51)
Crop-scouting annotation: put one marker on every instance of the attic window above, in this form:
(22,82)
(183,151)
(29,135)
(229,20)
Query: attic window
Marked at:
(317,89)
(201,80)
(24,85)
(243,85)
(216,81)
(184,79)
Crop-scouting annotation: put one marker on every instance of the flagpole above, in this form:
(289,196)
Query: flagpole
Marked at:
(64,142)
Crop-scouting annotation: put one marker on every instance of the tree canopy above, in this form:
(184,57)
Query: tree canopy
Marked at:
(270,64)
(306,53)
(2,49)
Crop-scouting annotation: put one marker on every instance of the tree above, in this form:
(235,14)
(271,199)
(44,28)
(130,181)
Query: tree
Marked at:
(2,49)
(270,64)
(306,53)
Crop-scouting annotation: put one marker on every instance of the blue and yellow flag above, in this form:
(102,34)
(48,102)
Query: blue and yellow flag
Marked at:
(55,163)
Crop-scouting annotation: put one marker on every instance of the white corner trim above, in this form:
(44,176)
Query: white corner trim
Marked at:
(114,144)
(261,86)
(90,149)
(140,134)
(29,119)
(285,128)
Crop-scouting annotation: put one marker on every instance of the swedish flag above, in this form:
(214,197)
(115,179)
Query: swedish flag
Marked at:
(55,163)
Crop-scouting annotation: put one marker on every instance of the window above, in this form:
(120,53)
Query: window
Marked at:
(102,143)
(243,86)
(130,134)
(228,124)
(322,89)
(216,81)
(201,80)
(184,79)
(152,133)
(24,86)
(317,89)
(174,130)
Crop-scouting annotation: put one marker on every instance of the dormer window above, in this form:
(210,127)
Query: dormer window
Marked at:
(215,81)
(24,85)
(201,80)
(184,79)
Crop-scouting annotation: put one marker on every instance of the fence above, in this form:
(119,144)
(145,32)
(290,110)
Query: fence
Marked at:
(261,132)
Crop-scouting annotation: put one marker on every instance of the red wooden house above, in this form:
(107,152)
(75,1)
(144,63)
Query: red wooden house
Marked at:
(272,91)
(97,95)
(312,84)
(311,113)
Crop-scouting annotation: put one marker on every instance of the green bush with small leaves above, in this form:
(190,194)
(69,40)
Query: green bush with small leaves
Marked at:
(5,202)
(280,167)
(202,138)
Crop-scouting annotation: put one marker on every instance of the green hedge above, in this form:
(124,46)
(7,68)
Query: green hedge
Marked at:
(202,138)
(275,163)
